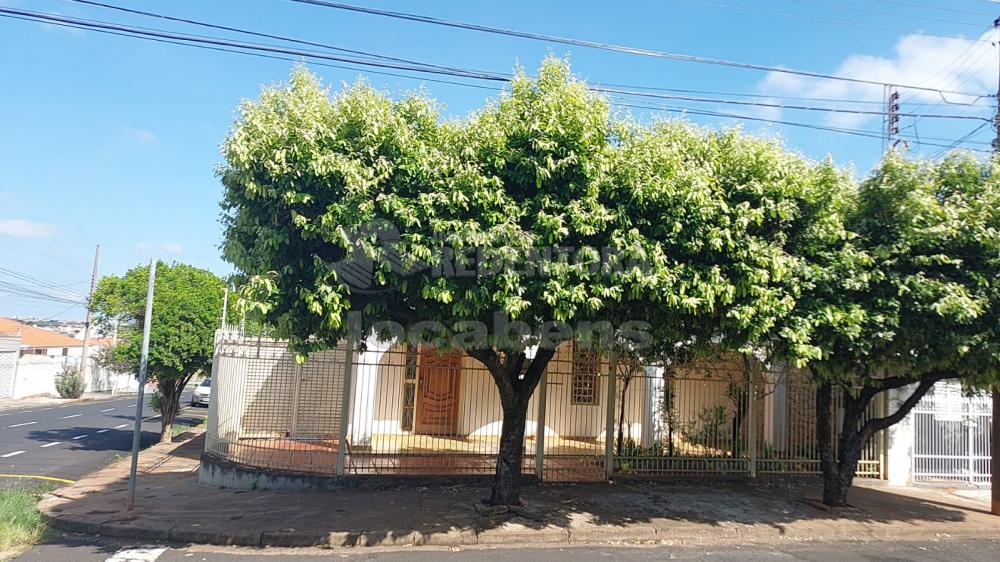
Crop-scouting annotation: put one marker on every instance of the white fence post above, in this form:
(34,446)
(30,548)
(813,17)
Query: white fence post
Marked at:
(752,428)
(540,426)
(609,425)
(345,409)
(296,396)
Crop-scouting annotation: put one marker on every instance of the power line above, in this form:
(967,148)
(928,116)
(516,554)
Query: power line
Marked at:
(787,106)
(939,8)
(422,67)
(683,110)
(420,63)
(36,281)
(246,53)
(414,62)
(249,32)
(886,13)
(610,46)
(962,139)
(134,30)
(775,96)
(807,18)
(193,41)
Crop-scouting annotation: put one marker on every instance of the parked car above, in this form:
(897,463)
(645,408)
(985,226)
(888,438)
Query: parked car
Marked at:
(202,393)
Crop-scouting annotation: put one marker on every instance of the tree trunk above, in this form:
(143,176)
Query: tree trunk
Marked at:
(507,480)
(840,468)
(170,405)
(515,387)
(168,400)
(620,438)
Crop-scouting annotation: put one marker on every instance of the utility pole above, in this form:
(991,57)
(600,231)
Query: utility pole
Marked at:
(86,325)
(143,368)
(995,446)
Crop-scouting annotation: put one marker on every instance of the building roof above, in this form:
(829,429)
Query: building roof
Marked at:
(36,337)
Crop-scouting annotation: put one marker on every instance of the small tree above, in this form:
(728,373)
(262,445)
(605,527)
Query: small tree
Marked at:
(909,296)
(187,303)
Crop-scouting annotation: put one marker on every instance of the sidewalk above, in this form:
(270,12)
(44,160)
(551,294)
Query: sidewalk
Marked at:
(171,506)
(12,404)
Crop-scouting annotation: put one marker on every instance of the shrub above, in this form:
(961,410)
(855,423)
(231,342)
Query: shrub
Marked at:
(70,383)
(156,402)
(709,429)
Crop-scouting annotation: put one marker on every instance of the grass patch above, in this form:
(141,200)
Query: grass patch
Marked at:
(21,525)
(180,428)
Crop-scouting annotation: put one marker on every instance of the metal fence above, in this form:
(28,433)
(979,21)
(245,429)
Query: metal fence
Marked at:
(952,436)
(413,410)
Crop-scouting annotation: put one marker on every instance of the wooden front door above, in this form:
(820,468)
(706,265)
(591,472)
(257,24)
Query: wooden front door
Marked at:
(437,392)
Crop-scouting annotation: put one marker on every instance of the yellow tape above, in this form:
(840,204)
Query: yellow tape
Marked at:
(50,478)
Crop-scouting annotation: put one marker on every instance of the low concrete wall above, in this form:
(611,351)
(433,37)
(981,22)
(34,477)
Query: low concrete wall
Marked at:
(225,474)
(220,473)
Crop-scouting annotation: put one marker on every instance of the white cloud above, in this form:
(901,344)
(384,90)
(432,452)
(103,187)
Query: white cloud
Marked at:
(138,136)
(168,248)
(20,228)
(930,61)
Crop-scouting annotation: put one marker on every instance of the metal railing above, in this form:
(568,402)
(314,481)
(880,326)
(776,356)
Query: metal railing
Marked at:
(412,410)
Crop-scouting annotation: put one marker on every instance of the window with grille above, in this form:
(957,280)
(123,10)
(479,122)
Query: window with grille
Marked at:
(586,377)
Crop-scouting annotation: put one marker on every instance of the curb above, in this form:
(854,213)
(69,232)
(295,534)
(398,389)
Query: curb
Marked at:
(676,535)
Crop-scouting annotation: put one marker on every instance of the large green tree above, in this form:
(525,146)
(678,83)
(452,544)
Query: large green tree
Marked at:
(542,208)
(187,306)
(909,296)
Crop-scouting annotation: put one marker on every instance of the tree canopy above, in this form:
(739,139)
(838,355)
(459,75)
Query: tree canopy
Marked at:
(542,207)
(909,296)
(187,307)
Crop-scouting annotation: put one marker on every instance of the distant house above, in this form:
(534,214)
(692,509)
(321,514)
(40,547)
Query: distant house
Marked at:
(31,358)
(37,341)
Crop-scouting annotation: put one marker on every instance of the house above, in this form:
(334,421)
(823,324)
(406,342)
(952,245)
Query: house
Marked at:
(31,358)
(37,341)
(411,409)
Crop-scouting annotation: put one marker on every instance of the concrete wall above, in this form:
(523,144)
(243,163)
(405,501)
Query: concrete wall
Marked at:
(36,375)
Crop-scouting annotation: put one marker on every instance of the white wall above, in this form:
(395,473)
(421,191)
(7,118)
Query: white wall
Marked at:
(36,375)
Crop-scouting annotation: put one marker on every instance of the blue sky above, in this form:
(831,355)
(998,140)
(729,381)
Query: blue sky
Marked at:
(113,141)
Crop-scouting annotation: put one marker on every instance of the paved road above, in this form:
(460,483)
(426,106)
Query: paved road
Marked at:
(79,549)
(70,440)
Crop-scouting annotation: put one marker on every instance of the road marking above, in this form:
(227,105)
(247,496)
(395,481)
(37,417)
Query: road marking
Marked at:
(65,406)
(107,410)
(132,406)
(14,454)
(71,416)
(142,554)
(22,424)
(52,444)
(6,414)
(44,409)
(37,477)
(79,437)
(121,426)
(103,431)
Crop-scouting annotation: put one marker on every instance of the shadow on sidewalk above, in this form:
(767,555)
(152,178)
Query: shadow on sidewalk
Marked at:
(171,505)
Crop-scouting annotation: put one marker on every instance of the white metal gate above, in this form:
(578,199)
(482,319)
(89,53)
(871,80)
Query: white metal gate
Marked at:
(952,434)
(8,366)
